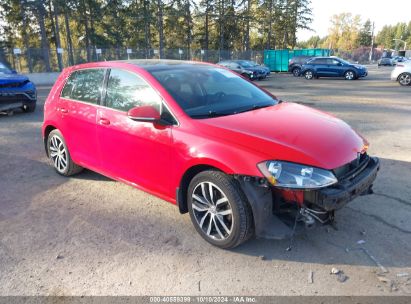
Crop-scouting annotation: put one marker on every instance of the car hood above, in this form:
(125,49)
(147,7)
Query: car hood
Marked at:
(289,132)
(357,66)
(256,69)
(12,78)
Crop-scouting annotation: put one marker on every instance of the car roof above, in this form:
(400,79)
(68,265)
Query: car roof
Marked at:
(152,64)
(146,64)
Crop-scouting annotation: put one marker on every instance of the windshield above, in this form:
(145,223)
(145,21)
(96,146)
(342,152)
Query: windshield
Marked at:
(247,64)
(206,91)
(344,61)
(4,69)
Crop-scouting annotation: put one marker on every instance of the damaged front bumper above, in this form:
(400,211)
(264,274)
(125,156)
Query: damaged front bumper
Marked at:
(338,195)
(276,212)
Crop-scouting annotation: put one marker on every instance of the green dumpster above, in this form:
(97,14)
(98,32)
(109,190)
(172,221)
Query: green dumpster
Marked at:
(277,60)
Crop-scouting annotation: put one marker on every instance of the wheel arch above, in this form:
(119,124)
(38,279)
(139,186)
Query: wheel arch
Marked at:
(46,133)
(181,191)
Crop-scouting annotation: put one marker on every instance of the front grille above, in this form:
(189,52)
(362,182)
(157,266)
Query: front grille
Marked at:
(353,168)
(14,98)
(13,84)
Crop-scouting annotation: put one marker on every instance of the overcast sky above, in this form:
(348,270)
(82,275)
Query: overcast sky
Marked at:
(381,12)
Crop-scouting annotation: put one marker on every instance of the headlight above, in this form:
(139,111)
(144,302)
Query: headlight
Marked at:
(358,67)
(289,175)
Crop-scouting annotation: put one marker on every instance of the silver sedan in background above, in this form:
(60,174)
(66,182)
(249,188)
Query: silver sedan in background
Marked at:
(402,73)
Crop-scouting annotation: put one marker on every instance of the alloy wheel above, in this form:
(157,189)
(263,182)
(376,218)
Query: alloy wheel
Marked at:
(58,153)
(309,75)
(349,75)
(296,72)
(405,79)
(212,211)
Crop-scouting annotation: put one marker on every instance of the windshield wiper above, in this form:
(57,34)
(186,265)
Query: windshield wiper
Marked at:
(254,107)
(210,114)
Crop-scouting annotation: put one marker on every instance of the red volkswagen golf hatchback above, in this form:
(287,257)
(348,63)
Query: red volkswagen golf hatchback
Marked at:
(240,161)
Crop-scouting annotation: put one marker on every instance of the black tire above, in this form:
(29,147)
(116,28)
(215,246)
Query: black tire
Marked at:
(350,75)
(241,226)
(404,79)
(29,107)
(70,168)
(296,72)
(309,74)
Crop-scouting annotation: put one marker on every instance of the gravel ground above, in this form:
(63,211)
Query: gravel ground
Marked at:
(89,235)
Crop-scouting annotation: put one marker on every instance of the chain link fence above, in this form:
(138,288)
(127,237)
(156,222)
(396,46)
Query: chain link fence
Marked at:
(34,60)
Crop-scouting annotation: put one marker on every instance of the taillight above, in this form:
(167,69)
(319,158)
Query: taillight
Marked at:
(400,65)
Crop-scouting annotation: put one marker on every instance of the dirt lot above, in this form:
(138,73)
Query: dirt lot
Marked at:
(89,235)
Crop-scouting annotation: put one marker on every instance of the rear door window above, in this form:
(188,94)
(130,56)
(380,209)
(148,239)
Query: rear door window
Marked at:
(333,61)
(320,61)
(84,85)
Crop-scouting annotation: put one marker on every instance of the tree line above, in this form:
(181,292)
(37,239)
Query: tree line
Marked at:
(350,36)
(238,25)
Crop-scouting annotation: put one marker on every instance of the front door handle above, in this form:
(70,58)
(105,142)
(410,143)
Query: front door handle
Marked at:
(104,121)
(63,110)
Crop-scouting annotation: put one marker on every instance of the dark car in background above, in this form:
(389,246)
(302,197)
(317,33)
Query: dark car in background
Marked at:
(398,59)
(261,66)
(16,91)
(332,67)
(385,61)
(295,64)
(244,68)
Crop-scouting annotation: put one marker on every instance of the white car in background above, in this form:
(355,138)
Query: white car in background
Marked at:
(402,73)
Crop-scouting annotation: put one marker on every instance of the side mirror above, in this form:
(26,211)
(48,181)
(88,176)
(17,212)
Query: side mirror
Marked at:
(13,71)
(144,113)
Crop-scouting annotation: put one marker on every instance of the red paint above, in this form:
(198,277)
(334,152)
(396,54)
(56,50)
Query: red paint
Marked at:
(144,112)
(292,195)
(155,157)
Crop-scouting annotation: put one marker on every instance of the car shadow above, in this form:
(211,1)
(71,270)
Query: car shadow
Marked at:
(372,230)
(87,174)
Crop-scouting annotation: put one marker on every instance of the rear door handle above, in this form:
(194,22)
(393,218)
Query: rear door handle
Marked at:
(63,110)
(104,121)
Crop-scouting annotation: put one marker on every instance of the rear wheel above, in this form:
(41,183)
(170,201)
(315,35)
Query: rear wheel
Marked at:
(60,156)
(296,72)
(309,74)
(349,75)
(404,79)
(219,210)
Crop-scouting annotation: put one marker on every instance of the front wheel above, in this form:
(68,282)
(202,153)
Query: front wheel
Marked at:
(404,79)
(349,75)
(29,107)
(309,74)
(60,156)
(219,209)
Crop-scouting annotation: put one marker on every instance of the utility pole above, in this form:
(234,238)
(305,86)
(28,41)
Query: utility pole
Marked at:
(372,42)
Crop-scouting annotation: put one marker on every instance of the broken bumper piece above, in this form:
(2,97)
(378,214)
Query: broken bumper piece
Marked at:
(271,224)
